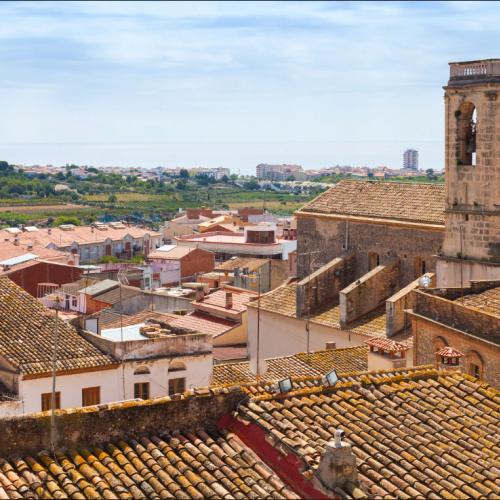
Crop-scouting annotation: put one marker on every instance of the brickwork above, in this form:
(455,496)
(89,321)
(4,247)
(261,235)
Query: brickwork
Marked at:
(328,237)
(197,261)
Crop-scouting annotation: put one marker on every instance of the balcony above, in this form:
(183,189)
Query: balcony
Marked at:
(471,72)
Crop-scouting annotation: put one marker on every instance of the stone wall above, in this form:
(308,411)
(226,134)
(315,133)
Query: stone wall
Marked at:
(321,288)
(368,292)
(326,238)
(456,315)
(430,336)
(396,305)
(93,425)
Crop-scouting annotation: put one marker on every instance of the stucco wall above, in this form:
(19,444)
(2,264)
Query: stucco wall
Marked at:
(283,336)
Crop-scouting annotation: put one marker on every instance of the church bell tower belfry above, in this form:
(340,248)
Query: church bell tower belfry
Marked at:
(471,247)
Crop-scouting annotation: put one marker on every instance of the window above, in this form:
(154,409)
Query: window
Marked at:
(47,400)
(141,390)
(176,385)
(74,301)
(142,370)
(420,267)
(475,370)
(91,396)
(466,134)
(373,260)
(176,366)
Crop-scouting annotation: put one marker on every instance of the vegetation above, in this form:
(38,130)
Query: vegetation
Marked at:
(66,219)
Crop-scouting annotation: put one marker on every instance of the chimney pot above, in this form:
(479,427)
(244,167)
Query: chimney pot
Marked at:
(229,300)
(199,295)
(337,466)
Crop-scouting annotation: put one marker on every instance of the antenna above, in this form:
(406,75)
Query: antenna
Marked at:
(122,279)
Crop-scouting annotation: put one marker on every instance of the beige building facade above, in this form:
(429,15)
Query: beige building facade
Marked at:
(471,247)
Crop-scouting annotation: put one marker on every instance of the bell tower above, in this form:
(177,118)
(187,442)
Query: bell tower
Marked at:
(471,247)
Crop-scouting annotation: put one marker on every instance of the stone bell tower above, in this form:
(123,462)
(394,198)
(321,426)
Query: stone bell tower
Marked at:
(471,247)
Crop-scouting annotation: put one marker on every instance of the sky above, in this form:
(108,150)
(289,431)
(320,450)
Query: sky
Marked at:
(232,84)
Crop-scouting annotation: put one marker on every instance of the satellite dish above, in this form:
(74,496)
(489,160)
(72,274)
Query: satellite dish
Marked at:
(262,366)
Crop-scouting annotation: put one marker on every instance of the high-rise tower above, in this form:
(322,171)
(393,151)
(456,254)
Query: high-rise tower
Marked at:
(471,247)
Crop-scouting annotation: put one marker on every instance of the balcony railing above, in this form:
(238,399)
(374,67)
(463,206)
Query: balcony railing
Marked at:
(475,70)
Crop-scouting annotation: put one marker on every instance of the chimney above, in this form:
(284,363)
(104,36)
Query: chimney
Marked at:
(30,247)
(16,240)
(337,466)
(199,295)
(49,230)
(229,300)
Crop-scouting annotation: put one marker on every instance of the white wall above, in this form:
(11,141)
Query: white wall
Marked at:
(197,373)
(283,336)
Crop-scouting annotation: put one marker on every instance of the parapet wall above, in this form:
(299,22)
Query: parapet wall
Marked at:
(369,292)
(90,426)
(321,288)
(456,315)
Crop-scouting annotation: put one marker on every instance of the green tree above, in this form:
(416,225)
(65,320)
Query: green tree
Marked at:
(252,184)
(224,179)
(184,174)
(112,198)
(66,219)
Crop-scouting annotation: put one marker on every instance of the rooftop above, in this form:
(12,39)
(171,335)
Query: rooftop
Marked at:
(170,252)
(80,234)
(222,237)
(198,464)
(216,301)
(282,300)
(121,292)
(419,433)
(27,331)
(202,322)
(487,301)
(241,262)
(416,203)
(298,365)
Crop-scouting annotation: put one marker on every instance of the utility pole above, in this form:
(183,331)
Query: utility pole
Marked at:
(258,328)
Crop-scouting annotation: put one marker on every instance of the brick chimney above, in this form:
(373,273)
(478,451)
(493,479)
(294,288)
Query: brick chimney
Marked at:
(229,300)
(16,240)
(337,466)
(199,295)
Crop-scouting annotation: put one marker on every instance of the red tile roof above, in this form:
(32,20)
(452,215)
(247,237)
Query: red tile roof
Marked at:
(450,352)
(203,323)
(216,301)
(385,344)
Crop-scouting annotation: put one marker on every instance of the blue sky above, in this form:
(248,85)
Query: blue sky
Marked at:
(232,84)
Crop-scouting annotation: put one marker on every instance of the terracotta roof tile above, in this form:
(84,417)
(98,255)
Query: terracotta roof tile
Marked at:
(450,352)
(26,336)
(282,300)
(299,365)
(422,203)
(202,464)
(488,301)
(241,262)
(387,345)
(203,323)
(414,433)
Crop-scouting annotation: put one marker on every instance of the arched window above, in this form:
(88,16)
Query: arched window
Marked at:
(474,364)
(466,117)
(142,370)
(176,366)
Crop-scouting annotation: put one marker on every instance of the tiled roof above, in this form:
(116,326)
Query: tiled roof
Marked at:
(488,301)
(241,262)
(450,352)
(113,296)
(83,235)
(27,332)
(419,434)
(203,323)
(217,300)
(422,203)
(282,300)
(74,287)
(189,465)
(135,319)
(299,365)
(8,250)
(387,345)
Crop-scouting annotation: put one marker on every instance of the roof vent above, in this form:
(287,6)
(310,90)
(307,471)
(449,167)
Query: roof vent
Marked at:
(67,227)
(229,300)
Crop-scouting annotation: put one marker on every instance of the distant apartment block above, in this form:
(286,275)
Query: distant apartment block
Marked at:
(410,159)
(279,172)
(215,173)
